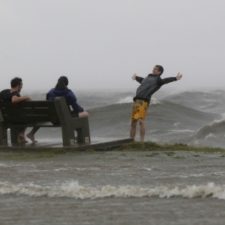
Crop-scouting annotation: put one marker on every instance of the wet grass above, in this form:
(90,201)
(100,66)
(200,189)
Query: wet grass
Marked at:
(171,148)
(153,149)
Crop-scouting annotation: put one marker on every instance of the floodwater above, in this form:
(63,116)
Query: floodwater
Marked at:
(117,187)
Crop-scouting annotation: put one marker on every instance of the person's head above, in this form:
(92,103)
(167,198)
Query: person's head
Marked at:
(17,83)
(62,82)
(158,70)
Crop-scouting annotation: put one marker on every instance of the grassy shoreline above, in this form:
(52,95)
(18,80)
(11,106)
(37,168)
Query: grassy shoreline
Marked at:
(151,146)
(46,153)
(134,146)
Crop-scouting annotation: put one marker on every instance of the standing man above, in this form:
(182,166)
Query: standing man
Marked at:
(149,85)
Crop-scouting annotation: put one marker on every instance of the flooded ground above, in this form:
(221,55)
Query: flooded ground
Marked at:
(119,187)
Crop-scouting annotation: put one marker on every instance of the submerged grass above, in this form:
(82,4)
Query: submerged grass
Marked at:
(151,146)
(51,152)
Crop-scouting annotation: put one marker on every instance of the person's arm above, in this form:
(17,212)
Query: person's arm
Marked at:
(137,78)
(17,99)
(170,79)
(73,101)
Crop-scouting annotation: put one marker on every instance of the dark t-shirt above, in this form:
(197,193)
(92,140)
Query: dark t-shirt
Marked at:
(6,95)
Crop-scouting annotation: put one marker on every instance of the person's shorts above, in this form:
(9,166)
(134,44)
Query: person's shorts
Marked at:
(140,109)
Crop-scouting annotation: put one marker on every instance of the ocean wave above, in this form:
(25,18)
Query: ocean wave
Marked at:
(164,108)
(165,118)
(206,101)
(129,99)
(4,165)
(211,130)
(73,189)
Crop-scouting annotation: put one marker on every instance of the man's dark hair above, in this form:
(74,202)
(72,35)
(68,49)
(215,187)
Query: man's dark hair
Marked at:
(62,83)
(160,68)
(16,82)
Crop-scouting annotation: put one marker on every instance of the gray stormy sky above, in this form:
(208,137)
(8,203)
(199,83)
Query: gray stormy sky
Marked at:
(101,43)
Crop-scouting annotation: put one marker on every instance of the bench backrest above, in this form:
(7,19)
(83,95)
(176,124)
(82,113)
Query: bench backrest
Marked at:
(29,112)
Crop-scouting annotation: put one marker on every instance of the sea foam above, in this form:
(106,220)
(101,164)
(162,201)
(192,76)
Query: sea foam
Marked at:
(73,189)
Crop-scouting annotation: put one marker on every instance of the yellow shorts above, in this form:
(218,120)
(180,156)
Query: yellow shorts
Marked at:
(140,109)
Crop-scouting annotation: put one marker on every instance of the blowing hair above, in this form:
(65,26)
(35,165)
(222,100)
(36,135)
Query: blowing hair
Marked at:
(62,83)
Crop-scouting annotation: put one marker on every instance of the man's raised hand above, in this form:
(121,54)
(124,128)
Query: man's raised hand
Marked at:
(134,76)
(179,76)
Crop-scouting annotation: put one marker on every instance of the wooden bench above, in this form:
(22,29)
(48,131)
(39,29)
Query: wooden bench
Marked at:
(43,114)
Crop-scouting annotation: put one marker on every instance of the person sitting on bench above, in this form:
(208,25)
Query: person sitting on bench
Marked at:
(13,96)
(61,90)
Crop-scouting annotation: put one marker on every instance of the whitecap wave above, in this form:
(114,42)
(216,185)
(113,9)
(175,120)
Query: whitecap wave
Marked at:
(125,100)
(211,130)
(129,99)
(73,189)
(4,165)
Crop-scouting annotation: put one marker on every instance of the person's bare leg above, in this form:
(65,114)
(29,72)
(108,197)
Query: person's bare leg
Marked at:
(21,137)
(83,114)
(142,130)
(31,134)
(133,129)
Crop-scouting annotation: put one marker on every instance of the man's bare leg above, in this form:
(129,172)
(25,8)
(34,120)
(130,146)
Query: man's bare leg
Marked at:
(142,130)
(21,137)
(32,133)
(133,129)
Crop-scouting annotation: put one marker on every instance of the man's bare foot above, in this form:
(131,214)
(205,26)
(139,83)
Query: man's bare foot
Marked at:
(32,138)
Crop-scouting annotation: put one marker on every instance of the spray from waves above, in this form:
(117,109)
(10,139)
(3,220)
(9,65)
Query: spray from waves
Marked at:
(210,135)
(125,100)
(73,189)
(215,128)
(3,165)
(129,99)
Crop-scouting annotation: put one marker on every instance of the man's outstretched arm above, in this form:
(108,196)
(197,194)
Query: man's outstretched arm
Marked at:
(137,78)
(170,79)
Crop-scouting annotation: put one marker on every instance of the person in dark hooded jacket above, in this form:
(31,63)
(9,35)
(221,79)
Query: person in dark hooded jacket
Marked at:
(61,90)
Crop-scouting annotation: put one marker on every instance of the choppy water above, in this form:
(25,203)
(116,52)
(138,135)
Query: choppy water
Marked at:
(195,118)
(112,188)
(126,188)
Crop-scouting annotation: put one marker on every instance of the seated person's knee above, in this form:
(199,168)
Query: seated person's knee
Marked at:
(83,114)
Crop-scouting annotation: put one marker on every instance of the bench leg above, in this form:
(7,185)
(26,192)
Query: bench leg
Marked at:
(83,135)
(84,132)
(80,137)
(3,136)
(14,135)
(68,136)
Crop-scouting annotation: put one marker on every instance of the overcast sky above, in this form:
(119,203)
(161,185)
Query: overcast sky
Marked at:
(99,44)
